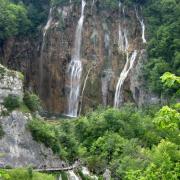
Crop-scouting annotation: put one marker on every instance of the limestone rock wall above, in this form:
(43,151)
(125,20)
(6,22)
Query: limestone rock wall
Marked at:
(11,83)
(100,55)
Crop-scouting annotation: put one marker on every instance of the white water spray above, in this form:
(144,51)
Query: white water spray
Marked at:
(84,86)
(142,26)
(72,176)
(128,66)
(123,41)
(75,69)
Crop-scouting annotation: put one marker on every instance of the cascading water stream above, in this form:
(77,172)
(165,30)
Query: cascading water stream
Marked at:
(84,86)
(72,176)
(75,69)
(122,41)
(142,26)
(107,72)
(92,5)
(47,26)
(128,66)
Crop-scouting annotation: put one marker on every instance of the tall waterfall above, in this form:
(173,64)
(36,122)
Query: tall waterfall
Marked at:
(107,72)
(142,26)
(75,69)
(129,64)
(123,41)
(46,27)
(123,47)
(105,80)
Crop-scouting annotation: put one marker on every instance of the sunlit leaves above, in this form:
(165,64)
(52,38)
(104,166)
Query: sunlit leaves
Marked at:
(170,79)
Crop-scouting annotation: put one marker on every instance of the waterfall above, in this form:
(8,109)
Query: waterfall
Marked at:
(84,86)
(45,29)
(92,5)
(122,33)
(60,177)
(72,176)
(123,41)
(105,80)
(142,26)
(106,40)
(75,69)
(107,72)
(129,64)
(47,26)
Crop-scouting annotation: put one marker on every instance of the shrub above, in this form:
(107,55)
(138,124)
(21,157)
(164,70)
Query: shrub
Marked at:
(23,174)
(32,101)
(45,133)
(12,102)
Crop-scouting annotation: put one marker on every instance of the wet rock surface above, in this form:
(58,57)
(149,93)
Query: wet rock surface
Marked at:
(100,49)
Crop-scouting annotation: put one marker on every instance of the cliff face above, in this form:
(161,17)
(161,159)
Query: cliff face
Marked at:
(17,147)
(45,60)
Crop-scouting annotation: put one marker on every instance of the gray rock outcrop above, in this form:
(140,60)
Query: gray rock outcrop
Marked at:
(11,83)
(17,147)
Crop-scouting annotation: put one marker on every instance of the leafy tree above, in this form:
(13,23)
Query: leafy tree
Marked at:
(13,19)
(170,80)
(162,19)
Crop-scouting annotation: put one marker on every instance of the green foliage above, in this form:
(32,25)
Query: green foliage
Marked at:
(22,174)
(43,132)
(162,19)
(167,118)
(83,177)
(64,176)
(13,19)
(164,164)
(60,141)
(12,102)
(132,143)
(170,80)
(32,101)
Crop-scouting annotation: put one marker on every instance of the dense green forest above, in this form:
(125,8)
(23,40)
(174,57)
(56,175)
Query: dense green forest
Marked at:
(134,143)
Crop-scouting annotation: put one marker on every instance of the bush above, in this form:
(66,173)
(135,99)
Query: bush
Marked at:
(32,101)
(45,133)
(23,174)
(12,102)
